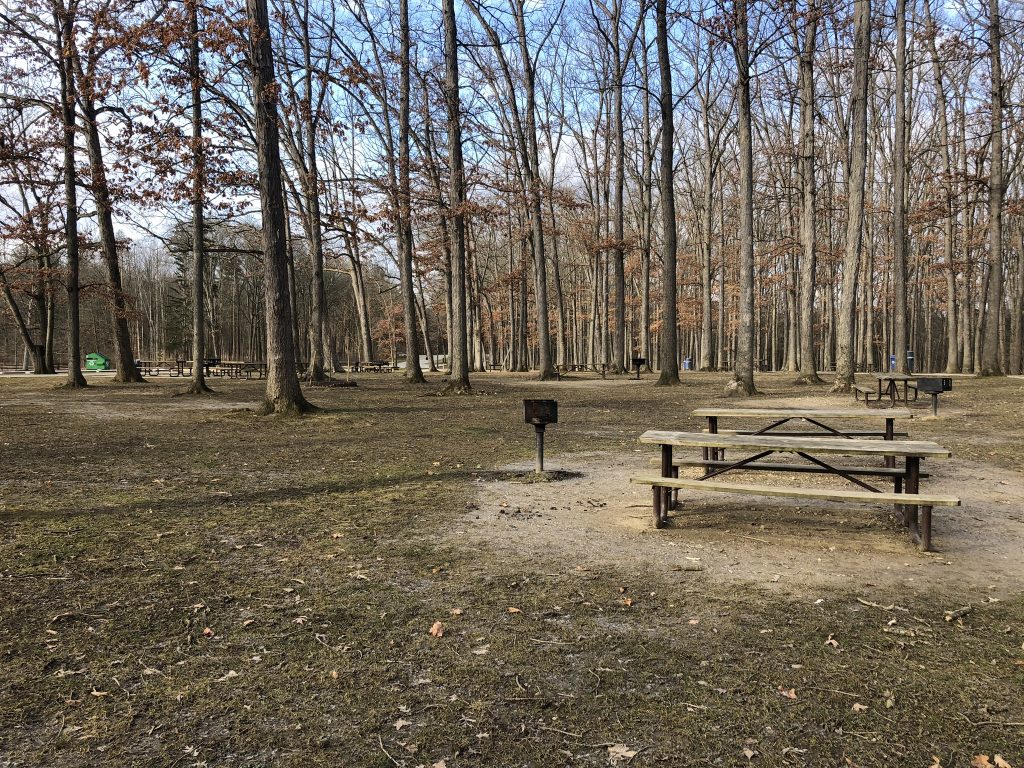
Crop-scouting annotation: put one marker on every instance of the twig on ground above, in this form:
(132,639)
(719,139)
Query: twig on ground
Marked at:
(382,749)
(550,642)
(1003,723)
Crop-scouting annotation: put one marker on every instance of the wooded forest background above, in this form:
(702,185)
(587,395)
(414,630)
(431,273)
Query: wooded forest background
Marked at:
(797,185)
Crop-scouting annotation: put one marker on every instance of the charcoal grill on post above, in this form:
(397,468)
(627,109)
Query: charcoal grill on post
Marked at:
(638,363)
(540,413)
(934,386)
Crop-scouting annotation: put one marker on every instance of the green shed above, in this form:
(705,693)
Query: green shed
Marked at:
(94,361)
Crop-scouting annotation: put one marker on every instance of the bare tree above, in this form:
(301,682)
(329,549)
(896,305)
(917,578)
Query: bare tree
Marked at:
(808,196)
(283,393)
(198,385)
(743,367)
(854,196)
(458,382)
(992,318)
(669,352)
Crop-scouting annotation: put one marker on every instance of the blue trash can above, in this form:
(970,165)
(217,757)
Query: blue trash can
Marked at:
(892,363)
(687,362)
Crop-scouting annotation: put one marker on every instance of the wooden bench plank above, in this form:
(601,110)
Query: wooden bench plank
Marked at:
(826,494)
(812,445)
(805,413)
(806,433)
(778,467)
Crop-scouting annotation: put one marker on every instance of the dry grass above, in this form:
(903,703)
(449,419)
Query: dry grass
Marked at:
(186,583)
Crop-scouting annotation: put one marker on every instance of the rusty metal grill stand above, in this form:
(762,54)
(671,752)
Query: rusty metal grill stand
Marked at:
(540,413)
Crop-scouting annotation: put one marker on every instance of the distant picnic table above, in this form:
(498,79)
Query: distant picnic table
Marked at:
(889,386)
(819,452)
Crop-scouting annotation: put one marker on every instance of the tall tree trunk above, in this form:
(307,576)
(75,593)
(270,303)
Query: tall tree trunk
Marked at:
(283,393)
(854,196)
(669,343)
(458,382)
(996,187)
(899,212)
(124,359)
(198,385)
(33,351)
(413,372)
(618,251)
(952,334)
(743,366)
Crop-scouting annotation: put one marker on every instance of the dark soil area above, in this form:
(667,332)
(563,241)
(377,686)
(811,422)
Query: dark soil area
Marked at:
(185,583)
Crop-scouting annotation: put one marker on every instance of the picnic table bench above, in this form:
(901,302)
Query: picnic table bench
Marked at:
(818,452)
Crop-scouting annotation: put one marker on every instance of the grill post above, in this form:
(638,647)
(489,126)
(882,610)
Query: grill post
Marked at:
(540,413)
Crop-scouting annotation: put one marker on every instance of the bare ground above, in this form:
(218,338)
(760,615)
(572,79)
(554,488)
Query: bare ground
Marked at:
(594,517)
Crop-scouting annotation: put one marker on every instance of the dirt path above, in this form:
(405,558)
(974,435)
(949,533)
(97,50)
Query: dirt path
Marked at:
(594,516)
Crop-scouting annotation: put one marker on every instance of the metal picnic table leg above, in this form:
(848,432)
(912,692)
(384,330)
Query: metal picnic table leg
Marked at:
(890,461)
(662,496)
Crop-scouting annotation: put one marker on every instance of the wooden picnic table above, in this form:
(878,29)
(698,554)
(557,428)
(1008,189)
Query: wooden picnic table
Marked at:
(891,388)
(236,369)
(818,453)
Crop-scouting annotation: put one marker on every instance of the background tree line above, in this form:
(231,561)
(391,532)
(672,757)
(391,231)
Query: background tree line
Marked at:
(799,185)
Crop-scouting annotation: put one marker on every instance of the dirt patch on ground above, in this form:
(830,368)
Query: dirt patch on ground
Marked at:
(597,517)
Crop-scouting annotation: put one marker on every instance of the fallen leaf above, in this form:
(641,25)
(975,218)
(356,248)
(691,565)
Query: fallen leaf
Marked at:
(935,762)
(694,621)
(207,632)
(981,761)
(334,674)
(749,753)
(627,601)
(247,622)
(789,693)
(400,724)
(437,629)
(456,611)
(514,610)
(859,708)
(99,694)
(299,620)
(1000,763)
(227,676)
(832,641)
(621,752)
(482,650)
(440,764)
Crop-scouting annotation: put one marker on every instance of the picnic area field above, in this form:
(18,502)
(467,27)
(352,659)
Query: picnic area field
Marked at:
(385,583)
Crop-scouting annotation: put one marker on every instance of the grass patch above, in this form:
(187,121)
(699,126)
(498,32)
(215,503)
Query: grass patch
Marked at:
(186,586)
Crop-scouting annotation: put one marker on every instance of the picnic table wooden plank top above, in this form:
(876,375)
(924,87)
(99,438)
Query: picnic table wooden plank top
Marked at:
(807,413)
(895,377)
(811,445)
